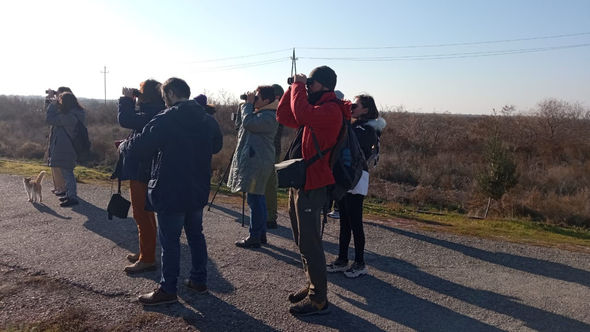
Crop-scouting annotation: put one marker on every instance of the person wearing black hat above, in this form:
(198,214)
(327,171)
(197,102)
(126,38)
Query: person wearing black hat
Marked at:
(311,105)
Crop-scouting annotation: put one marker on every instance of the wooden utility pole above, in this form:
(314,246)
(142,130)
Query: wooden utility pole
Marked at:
(105,72)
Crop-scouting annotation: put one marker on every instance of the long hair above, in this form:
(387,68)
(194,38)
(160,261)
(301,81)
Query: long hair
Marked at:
(67,102)
(150,92)
(368,102)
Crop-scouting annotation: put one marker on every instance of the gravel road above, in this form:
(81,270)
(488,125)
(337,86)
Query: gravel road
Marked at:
(65,266)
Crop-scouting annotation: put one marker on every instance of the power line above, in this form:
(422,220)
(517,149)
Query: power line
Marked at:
(450,44)
(245,65)
(451,55)
(240,56)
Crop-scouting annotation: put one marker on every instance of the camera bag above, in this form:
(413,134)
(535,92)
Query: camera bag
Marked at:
(291,171)
(118,205)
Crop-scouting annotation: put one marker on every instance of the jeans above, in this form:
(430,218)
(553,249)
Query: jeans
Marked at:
(170,227)
(258,215)
(70,179)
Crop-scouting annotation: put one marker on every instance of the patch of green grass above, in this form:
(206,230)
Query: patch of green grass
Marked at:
(521,231)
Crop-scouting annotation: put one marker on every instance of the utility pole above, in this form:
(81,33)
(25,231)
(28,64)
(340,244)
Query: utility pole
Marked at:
(105,72)
(293,64)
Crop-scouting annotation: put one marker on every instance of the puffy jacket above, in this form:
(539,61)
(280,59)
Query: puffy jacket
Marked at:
(61,152)
(184,137)
(254,158)
(366,135)
(128,168)
(325,117)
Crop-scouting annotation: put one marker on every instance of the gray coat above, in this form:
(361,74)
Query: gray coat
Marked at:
(61,152)
(254,158)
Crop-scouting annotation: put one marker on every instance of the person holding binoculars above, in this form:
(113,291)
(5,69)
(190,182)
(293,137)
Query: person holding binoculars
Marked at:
(254,158)
(136,108)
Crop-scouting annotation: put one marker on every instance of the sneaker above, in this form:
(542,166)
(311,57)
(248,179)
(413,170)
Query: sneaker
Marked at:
(307,307)
(156,297)
(356,270)
(334,214)
(249,242)
(133,257)
(299,295)
(338,265)
(272,224)
(139,267)
(60,193)
(63,199)
(198,288)
(69,202)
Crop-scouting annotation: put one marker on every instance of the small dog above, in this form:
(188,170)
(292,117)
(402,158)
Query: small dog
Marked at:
(33,187)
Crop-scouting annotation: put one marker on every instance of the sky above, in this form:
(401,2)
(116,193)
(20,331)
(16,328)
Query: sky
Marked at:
(468,56)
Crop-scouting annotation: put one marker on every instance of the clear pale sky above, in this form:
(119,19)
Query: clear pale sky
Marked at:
(51,43)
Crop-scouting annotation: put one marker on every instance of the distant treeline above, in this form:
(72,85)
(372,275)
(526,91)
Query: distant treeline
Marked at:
(427,160)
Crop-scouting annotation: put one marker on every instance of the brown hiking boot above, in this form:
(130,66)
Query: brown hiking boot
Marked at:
(133,258)
(156,297)
(299,295)
(309,307)
(139,267)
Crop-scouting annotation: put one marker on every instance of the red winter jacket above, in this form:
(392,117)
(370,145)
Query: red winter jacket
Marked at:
(326,120)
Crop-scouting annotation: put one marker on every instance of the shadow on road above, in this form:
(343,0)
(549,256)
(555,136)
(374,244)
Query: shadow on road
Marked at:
(522,263)
(122,232)
(46,209)
(379,296)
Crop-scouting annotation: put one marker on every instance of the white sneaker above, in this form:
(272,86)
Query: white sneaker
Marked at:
(356,270)
(337,266)
(334,214)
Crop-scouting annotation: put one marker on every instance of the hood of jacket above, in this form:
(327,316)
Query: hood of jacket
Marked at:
(377,124)
(344,105)
(187,115)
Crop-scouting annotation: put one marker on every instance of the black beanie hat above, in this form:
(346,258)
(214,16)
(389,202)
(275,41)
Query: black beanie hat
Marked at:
(325,75)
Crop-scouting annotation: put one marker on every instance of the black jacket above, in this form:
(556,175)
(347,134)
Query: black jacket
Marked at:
(129,168)
(184,137)
(366,135)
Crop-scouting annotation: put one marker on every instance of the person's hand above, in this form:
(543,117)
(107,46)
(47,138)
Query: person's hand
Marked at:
(50,93)
(300,78)
(250,97)
(127,92)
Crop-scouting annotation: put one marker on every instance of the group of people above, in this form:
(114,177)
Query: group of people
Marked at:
(167,159)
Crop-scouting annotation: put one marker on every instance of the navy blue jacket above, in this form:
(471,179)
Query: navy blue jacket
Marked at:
(131,168)
(184,138)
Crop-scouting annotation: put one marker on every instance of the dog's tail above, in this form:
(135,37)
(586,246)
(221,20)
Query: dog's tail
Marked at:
(40,176)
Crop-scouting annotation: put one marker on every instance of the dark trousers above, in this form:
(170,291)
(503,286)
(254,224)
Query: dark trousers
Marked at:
(351,219)
(306,223)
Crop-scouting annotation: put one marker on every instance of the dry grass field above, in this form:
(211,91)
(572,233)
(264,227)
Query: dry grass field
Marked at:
(428,161)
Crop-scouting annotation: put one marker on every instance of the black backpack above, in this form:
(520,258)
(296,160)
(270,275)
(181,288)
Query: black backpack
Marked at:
(347,162)
(80,140)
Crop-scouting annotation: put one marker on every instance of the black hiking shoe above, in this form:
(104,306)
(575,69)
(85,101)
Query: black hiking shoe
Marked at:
(308,307)
(249,242)
(69,202)
(197,288)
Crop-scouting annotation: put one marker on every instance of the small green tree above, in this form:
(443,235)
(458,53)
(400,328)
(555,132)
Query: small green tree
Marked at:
(499,174)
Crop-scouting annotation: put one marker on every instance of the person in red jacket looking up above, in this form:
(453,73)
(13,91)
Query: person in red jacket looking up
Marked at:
(311,105)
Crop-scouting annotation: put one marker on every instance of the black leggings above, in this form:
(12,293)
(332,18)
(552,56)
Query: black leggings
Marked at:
(351,219)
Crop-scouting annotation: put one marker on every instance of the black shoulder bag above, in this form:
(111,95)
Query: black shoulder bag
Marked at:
(118,205)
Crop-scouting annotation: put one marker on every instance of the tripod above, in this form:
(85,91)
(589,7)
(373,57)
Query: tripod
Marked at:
(225,175)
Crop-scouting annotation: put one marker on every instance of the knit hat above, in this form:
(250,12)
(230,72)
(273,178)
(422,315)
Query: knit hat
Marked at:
(325,76)
(201,99)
